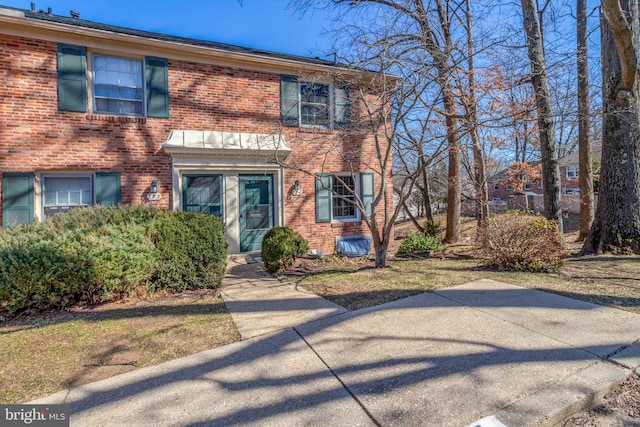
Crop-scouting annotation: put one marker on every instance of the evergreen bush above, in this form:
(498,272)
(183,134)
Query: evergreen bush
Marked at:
(280,247)
(191,251)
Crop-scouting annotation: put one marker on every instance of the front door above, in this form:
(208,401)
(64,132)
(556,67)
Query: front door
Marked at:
(256,210)
(202,194)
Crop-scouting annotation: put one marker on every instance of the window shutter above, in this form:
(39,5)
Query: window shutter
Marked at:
(366,193)
(289,100)
(72,78)
(323,198)
(157,78)
(17,199)
(108,188)
(342,106)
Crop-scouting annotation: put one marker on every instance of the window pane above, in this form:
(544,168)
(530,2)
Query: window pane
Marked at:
(344,187)
(118,86)
(61,193)
(314,104)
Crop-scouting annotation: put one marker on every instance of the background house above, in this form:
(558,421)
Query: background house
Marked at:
(98,114)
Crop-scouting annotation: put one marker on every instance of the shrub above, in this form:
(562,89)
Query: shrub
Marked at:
(517,241)
(191,251)
(85,256)
(417,243)
(98,254)
(280,247)
(431,228)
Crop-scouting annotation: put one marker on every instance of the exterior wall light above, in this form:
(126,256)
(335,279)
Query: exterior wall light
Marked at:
(153,191)
(297,190)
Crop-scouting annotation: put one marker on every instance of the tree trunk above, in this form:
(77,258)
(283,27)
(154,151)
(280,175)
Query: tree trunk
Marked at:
(426,190)
(482,193)
(539,80)
(585,175)
(616,227)
(454,193)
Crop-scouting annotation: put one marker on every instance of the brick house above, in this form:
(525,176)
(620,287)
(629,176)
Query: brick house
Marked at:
(569,168)
(98,114)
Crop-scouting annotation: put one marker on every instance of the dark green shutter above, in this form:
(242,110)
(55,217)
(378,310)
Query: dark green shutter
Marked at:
(366,192)
(17,199)
(289,100)
(72,78)
(108,188)
(342,103)
(323,198)
(157,87)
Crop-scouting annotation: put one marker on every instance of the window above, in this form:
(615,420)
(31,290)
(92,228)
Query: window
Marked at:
(314,104)
(337,195)
(572,172)
(509,187)
(496,186)
(527,185)
(343,196)
(118,85)
(61,193)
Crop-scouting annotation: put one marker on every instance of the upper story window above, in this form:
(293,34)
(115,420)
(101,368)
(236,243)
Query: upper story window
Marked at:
(527,185)
(572,172)
(314,104)
(496,186)
(118,85)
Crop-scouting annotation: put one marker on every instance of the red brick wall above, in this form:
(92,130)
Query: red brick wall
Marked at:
(36,137)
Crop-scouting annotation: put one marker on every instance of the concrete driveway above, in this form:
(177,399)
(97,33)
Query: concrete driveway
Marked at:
(482,354)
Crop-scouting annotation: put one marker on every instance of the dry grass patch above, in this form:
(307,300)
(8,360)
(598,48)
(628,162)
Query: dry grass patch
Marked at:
(45,355)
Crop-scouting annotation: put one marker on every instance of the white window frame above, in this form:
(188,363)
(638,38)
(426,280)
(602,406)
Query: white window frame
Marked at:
(527,185)
(92,90)
(43,177)
(509,187)
(496,186)
(572,170)
(330,107)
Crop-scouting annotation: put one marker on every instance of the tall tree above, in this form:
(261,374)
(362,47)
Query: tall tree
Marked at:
(540,82)
(585,174)
(616,227)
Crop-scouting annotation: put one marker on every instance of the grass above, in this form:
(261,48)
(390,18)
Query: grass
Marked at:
(364,287)
(606,280)
(44,355)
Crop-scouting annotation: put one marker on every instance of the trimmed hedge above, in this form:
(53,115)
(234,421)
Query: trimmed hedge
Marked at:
(98,254)
(191,250)
(280,247)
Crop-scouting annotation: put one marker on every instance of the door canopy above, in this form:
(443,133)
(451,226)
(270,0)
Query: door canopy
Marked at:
(226,143)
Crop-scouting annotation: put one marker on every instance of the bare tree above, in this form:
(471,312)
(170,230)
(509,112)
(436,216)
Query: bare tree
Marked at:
(585,174)
(616,227)
(539,79)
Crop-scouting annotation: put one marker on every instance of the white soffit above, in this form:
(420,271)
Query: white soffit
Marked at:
(225,143)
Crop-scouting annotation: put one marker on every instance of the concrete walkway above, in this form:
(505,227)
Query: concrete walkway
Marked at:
(482,354)
(260,304)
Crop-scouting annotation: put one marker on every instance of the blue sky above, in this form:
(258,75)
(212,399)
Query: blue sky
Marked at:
(263,24)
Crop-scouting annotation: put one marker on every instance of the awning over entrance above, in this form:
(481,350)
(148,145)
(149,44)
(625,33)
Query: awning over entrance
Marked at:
(225,143)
